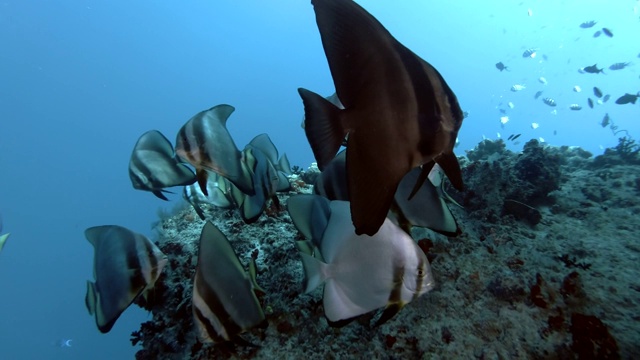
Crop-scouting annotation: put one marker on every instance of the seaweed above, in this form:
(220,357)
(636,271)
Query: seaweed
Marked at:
(570,262)
(628,149)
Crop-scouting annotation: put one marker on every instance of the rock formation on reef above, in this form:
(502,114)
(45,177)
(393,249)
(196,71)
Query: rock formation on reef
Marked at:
(546,267)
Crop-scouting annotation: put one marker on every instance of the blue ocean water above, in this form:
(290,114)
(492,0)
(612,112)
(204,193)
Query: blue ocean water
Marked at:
(80,81)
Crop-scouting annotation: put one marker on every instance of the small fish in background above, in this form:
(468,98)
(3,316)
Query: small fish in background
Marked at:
(627,99)
(511,105)
(575,107)
(597,92)
(502,111)
(529,12)
(541,139)
(518,87)
(619,65)
(62,343)
(593,69)
(549,101)
(513,137)
(606,120)
(504,120)
(597,34)
(554,112)
(590,103)
(607,32)
(577,89)
(537,95)
(606,98)
(542,80)
(588,24)
(535,126)
(500,66)
(530,53)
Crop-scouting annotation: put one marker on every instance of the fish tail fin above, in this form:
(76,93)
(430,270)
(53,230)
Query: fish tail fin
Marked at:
(314,270)
(322,126)
(3,239)
(90,298)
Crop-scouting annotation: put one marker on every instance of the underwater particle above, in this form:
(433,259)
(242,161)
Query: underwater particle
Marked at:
(554,112)
(535,126)
(504,120)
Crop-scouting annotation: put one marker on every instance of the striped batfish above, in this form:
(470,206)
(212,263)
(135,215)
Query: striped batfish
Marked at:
(125,265)
(224,302)
(427,208)
(361,273)
(205,143)
(399,113)
(153,167)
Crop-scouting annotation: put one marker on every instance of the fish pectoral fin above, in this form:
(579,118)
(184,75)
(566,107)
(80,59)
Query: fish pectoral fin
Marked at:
(450,166)
(314,272)
(390,311)
(202,176)
(253,273)
(90,298)
(322,126)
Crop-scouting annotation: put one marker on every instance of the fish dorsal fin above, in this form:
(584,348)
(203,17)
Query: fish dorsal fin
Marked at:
(332,183)
(323,126)
(310,214)
(263,143)
(284,165)
(154,140)
(221,113)
(343,25)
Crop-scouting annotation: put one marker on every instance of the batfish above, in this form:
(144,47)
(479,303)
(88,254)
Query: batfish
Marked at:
(153,166)
(399,113)
(125,265)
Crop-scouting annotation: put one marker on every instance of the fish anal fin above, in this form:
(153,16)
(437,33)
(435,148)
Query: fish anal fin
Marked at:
(450,166)
(424,175)
(323,126)
(371,189)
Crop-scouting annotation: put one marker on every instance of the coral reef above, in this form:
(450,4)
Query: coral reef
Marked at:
(545,267)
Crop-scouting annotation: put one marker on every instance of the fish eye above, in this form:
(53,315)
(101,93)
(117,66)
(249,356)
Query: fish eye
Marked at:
(421,273)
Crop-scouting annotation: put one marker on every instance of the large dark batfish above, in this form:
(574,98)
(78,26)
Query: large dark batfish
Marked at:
(205,143)
(399,112)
